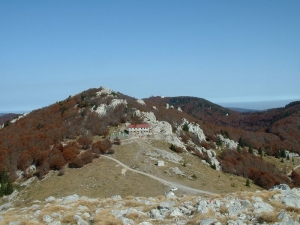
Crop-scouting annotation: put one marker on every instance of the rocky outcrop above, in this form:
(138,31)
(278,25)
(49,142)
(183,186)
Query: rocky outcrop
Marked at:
(288,197)
(172,157)
(227,142)
(19,117)
(211,154)
(244,208)
(104,108)
(104,91)
(140,101)
(173,139)
(213,159)
(193,128)
(158,127)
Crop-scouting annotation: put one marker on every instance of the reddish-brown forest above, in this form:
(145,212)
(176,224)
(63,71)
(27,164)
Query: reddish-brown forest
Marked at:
(38,137)
(272,129)
(253,167)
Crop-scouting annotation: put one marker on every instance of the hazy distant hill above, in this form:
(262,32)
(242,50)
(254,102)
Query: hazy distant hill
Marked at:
(243,110)
(4,117)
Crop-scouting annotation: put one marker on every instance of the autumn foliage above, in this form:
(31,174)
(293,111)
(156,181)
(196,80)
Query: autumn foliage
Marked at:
(53,136)
(248,165)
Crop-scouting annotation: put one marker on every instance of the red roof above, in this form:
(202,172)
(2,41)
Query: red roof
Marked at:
(143,125)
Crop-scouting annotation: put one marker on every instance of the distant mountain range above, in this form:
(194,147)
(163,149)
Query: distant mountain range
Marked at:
(243,110)
(7,117)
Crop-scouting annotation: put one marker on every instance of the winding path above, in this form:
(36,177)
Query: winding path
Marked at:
(289,173)
(169,183)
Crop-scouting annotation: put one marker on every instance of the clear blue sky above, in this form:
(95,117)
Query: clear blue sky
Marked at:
(223,51)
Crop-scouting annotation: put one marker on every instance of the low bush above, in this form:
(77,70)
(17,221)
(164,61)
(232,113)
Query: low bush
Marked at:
(117,141)
(76,163)
(270,217)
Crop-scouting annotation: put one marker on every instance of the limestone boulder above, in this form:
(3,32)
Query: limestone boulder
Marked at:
(231,144)
(193,128)
(140,101)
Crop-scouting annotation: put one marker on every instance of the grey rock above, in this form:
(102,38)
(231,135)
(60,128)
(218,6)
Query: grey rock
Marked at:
(260,206)
(80,221)
(257,199)
(47,219)
(143,201)
(185,210)
(155,214)
(118,213)
(245,203)
(237,222)
(283,216)
(180,222)
(134,211)
(116,197)
(177,171)
(170,195)
(127,221)
(14,223)
(210,221)
(37,213)
(235,208)
(176,212)
(55,223)
(291,198)
(290,222)
(50,199)
(286,219)
(216,203)
(202,207)
(242,216)
(70,198)
(6,206)
(188,205)
(56,215)
(82,208)
(86,215)
(167,205)
(34,207)
(145,223)
(164,212)
(283,187)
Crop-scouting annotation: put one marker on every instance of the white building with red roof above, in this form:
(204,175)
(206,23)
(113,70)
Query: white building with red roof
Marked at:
(143,128)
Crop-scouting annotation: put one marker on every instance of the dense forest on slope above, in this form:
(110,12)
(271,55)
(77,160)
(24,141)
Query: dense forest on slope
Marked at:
(273,129)
(37,138)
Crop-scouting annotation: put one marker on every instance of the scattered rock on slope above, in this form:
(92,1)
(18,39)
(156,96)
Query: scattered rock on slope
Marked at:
(243,208)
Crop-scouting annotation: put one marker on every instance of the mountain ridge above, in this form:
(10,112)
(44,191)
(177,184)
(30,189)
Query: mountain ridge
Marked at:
(190,134)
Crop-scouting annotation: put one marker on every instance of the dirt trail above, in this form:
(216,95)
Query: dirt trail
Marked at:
(289,173)
(169,183)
